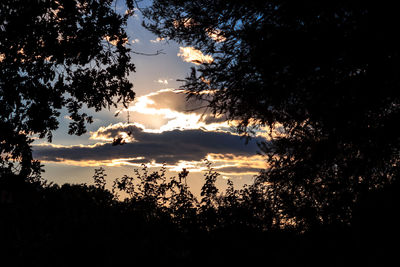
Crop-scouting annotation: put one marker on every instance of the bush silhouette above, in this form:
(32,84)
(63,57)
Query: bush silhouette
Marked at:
(154,218)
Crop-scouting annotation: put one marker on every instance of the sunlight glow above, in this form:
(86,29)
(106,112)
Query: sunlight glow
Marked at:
(223,161)
(99,163)
(176,120)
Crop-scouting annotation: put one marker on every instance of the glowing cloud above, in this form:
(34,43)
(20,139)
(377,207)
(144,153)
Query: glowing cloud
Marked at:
(225,164)
(174,111)
(216,35)
(114,40)
(192,55)
(161,81)
(123,130)
(228,163)
(157,40)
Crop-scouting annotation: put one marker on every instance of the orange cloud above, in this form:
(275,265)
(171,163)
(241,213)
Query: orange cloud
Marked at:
(216,35)
(99,163)
(231,166)
(114,40)
(192,55)
(224,164)
(157,40)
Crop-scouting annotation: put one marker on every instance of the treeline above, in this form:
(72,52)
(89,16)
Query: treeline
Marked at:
(154,219)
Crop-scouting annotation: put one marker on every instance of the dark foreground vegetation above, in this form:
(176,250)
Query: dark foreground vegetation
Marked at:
(160,221)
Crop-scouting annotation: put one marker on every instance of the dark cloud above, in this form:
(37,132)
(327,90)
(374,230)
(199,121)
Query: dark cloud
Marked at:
(209,118)
(175,100)
(168,147)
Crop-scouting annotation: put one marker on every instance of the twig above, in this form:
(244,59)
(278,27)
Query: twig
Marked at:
(159,52)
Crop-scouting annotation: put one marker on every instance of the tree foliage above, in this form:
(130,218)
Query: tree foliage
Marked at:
(53,55)
(149,217)
(325,74)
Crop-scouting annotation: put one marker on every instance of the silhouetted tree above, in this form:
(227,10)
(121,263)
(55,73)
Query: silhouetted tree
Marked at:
(161,221)
(322,77)
(99,178)
(53,55)
(181,203)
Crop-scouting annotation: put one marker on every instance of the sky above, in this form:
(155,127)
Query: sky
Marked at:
(163,127)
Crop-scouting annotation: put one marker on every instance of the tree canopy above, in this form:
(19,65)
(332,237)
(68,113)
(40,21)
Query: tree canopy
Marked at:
(53,55)
(322,76)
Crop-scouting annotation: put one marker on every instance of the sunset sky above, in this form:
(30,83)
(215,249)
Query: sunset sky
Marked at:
(165,127)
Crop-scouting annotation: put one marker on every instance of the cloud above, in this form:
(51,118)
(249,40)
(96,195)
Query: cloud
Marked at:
(225,164)
(234,164)
(185,23)
(173,131)
(157,40)
(170,99)
(169,110)
(192,55)
(216,34)
(115,39)
(176,148)
(162,81)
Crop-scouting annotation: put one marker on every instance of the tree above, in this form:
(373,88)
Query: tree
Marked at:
(322,77)
(56,54)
